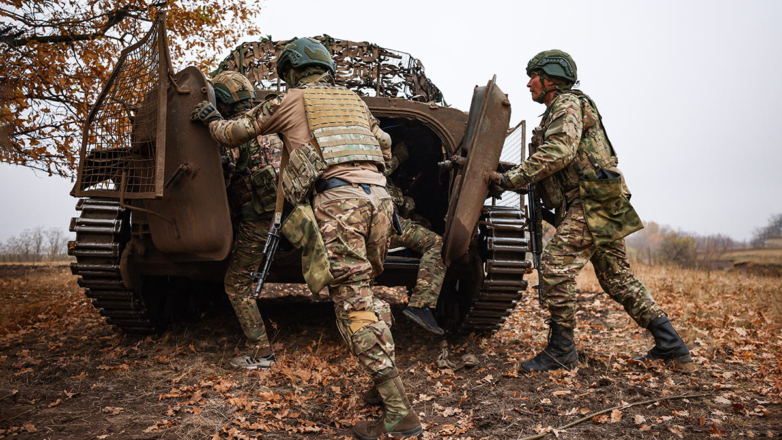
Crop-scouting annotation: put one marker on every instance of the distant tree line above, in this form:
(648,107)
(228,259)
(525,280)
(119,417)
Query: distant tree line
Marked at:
(764,237)
(36,245)
(661,244)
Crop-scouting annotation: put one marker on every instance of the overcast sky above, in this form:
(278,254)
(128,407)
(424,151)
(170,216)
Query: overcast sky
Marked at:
(688,90)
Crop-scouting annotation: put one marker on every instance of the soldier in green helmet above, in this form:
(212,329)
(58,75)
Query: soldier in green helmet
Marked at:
(573,169)
(335,180)
(251,195)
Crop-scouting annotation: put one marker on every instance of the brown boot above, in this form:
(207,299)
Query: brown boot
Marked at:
(398,419)
(372,396)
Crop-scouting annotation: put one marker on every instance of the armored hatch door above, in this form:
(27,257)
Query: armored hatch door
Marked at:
(192,217)
(484,138)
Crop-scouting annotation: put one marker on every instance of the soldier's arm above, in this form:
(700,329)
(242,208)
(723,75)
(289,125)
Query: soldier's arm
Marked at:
(558,148)
(383,138)
(236,132)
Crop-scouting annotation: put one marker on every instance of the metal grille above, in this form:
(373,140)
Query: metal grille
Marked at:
(513,153)
(365,68)
(122,140)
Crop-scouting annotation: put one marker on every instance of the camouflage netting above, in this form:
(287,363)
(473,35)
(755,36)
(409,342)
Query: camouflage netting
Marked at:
(365,68)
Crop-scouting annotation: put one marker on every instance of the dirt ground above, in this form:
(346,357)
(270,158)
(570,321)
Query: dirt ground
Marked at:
(65,374)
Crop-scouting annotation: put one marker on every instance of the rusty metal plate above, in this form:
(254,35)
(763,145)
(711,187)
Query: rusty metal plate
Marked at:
(192,217)
(484,146)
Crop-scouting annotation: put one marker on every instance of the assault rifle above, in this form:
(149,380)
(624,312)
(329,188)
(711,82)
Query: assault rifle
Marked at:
(269,249)
(536,236)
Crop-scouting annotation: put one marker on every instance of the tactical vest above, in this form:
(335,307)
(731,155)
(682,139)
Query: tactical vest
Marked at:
(257,163)
(338,120)
(594,153)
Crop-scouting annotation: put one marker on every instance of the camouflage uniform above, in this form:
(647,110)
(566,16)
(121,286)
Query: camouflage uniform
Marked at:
(355,225)
(416,237)
(249,203)
(566,144)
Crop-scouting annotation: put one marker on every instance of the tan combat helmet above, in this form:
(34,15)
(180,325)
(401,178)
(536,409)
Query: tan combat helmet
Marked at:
(232,87)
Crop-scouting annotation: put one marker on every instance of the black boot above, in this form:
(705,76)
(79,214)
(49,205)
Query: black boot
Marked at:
(559,353)
(423,317)
(668,345)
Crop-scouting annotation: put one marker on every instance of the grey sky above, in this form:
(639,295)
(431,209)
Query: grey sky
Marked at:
(686,90)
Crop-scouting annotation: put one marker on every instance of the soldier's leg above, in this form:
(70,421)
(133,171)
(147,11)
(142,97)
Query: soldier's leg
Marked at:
(347,228)
(562,260)
(615,277)
(245,258)
(613,272)
(431,270)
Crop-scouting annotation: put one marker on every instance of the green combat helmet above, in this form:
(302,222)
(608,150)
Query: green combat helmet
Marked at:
(304,52)
(232,87)
(553,63)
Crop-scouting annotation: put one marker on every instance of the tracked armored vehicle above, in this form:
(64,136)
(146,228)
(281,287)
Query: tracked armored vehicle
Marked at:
(154,231)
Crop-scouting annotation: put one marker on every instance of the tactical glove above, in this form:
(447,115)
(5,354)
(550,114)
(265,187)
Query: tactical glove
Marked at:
(205,112)
(496,191)
(502,180)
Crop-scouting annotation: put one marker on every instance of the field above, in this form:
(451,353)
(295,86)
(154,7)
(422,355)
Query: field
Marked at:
(65,374)
(762,256)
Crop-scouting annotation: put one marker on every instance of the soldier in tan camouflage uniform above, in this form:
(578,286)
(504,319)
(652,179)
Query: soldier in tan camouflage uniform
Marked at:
(416,237)
(251,195)
(328,134)
(573,168)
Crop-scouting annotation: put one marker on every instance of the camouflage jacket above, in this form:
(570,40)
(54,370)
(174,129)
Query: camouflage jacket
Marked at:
(256,163)
(570,144)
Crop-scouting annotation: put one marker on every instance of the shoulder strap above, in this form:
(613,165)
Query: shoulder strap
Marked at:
(280,196)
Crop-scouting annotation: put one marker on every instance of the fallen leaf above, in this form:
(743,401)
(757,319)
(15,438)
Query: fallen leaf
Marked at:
(55,403)
(639,419)
(676,429)
(645,428)
(113,410)
(722,400)
(561,393)
(70,395)
(616,416)
(602,418)
(29,427)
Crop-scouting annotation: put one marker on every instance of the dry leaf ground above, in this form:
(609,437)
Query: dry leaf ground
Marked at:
(65,374)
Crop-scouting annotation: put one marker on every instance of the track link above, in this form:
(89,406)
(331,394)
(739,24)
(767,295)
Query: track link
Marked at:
(102,230)
(505,246)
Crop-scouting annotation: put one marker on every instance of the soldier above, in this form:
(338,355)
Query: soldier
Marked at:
(573,169)
(251,194)
(334,148)
(431,270)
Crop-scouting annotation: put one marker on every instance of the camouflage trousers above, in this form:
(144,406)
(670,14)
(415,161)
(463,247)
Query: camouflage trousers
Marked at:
(355,227)
(567,253)
(246,256)
(431,270)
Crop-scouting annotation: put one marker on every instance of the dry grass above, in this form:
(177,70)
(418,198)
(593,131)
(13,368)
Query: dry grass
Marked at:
(758,256)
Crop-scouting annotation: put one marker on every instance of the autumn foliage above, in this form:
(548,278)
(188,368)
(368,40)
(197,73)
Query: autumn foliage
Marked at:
(57,54)
(60,361)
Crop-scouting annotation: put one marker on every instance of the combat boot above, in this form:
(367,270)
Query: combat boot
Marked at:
(559,353)
(423,317)
(668,345)
(372,396)
(398,420)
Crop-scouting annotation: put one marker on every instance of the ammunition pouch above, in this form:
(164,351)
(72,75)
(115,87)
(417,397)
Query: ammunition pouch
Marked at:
(301,229)
(264,190)
(304,168)
(550,192)
(609,214)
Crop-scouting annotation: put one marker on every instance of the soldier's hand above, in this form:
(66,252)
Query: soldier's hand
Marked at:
(205,112)
(496,191)
(400,152)
(495,178)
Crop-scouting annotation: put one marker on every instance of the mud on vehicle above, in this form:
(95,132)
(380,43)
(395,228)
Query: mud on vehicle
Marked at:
(154,230)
